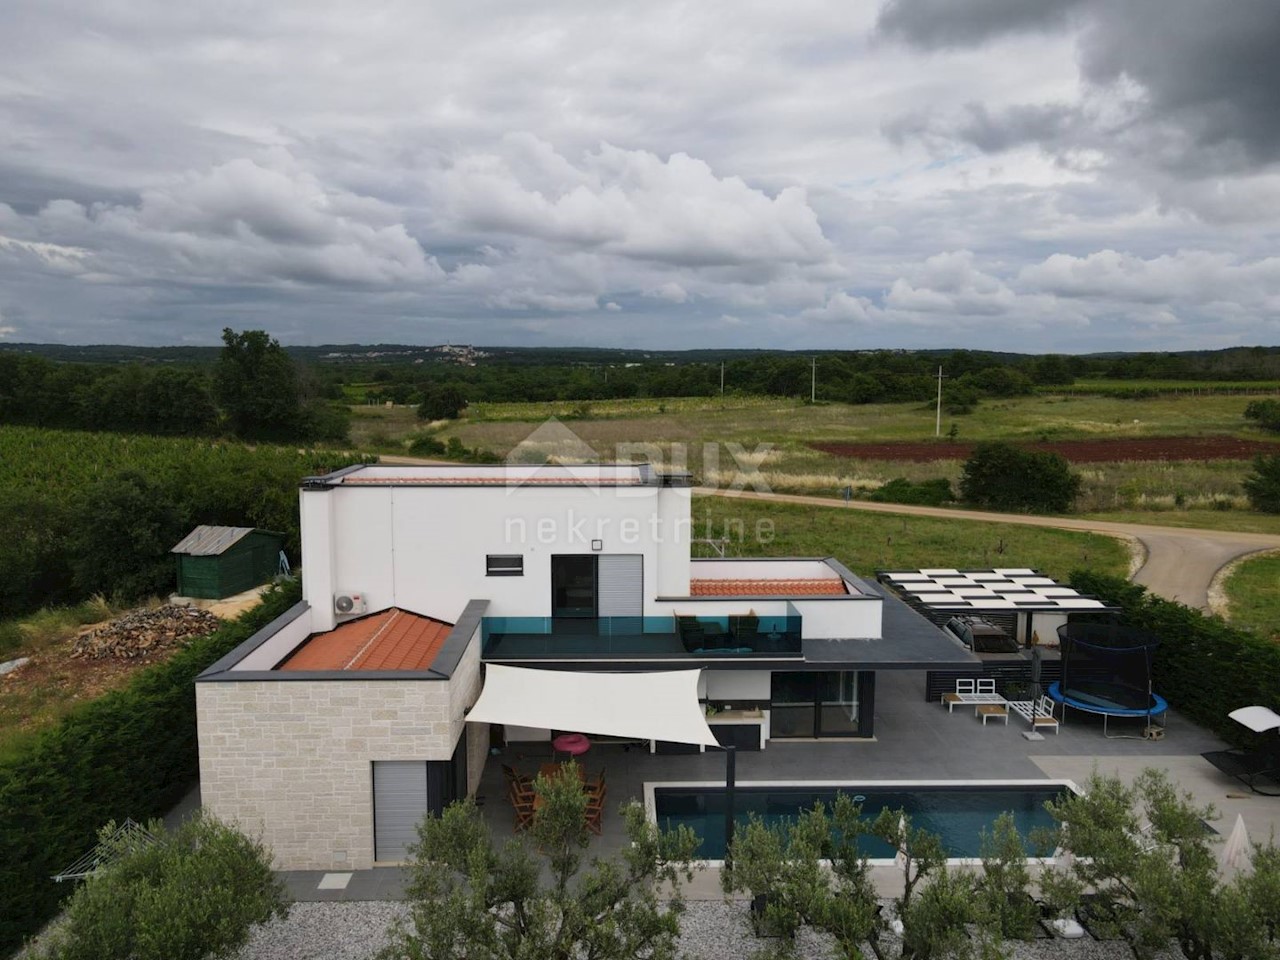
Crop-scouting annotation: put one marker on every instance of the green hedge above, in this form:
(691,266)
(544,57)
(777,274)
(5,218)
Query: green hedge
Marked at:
(130,753)
(1204,667)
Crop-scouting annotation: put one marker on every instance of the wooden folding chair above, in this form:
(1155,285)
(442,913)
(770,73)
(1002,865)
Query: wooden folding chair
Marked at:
(595,810)
(524,802)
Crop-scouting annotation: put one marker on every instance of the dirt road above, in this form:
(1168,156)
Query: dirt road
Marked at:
(1180,563)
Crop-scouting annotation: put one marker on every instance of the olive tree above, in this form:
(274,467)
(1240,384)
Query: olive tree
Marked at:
(1144,853)
(536,896)
(807,872)
(193,894)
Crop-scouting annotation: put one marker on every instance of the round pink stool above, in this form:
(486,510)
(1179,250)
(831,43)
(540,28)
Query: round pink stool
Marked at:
(574,744)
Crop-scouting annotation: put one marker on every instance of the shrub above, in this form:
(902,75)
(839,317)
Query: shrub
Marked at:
(1263,485)
(196,893)
(1205,668)
(1265,412)
(441,403)
(1005,477)
(426,446)
(932,493)
(130,753)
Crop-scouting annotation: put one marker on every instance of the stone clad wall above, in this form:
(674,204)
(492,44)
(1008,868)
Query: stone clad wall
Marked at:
(290,760)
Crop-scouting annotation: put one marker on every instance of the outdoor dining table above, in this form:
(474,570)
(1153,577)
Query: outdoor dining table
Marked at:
(549,770)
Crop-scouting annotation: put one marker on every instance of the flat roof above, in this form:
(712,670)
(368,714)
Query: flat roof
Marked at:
(995,589)
(393,639)
(499,475)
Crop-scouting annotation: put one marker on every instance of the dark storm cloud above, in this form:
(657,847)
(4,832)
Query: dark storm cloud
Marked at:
(1196,82)
(933,24)
(1213,69)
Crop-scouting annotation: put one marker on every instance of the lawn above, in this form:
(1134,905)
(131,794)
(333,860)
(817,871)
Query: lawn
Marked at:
(1253,600)
(868,542)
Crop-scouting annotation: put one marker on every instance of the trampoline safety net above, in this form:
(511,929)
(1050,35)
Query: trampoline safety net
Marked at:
(1107,666)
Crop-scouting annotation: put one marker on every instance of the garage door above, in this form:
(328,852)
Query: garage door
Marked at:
(399,804)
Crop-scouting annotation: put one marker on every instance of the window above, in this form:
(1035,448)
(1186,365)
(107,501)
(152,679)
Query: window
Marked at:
(499,565)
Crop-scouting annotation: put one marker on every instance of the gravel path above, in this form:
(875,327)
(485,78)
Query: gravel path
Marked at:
(711,930)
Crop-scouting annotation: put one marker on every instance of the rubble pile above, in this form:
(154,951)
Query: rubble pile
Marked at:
(142,633)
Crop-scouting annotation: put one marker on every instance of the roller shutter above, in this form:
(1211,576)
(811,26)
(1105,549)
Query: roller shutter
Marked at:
(620,585)
(399,804)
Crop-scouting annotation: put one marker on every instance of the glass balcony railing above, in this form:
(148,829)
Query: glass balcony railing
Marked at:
(661,638)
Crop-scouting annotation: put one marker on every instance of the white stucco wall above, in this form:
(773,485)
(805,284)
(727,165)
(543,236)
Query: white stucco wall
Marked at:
(424,548)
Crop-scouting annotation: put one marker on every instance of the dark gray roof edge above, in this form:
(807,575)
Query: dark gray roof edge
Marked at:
(288,676)
(324,481)
(648,476)
(455,644)
(218,667)
(850,576)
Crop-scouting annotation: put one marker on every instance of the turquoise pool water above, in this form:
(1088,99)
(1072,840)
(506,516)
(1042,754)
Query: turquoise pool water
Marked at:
(958,814)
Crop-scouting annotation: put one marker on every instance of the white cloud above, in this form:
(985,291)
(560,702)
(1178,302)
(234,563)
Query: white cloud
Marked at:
(1187,276)
(949,283)
(64,259)
(630,203)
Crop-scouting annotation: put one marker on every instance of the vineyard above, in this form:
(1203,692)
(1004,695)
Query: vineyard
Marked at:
(84,513)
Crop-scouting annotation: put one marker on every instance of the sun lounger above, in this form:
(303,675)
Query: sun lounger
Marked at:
(1257,769)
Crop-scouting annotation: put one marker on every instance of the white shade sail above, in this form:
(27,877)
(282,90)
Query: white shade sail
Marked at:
(1257,719)
(661,705)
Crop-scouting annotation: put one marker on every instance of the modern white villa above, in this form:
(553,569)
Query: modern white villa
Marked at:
(451,609)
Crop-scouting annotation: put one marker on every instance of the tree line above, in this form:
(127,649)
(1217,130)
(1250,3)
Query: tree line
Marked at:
(254,391)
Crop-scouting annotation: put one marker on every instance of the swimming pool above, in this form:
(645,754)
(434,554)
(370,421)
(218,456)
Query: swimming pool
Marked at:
(957,811)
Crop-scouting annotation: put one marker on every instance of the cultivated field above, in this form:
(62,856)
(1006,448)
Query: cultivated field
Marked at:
(780,439)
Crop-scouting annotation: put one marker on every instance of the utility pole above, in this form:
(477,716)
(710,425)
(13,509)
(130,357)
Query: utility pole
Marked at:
(937,430)
(813,382)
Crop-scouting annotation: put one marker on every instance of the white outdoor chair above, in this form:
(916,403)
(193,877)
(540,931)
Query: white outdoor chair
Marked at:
(964,688)
(1043,716)
(986,685)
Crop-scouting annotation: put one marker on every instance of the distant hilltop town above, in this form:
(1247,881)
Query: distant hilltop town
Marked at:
(463,354)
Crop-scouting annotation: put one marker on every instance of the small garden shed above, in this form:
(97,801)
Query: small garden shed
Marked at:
(217,562)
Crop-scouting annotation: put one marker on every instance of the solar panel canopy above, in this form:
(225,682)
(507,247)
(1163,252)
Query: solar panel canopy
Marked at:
(1000,588)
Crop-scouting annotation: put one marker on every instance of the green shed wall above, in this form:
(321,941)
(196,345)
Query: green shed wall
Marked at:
(252,561)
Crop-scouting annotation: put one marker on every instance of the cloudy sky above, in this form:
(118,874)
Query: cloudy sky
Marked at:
(1015,174)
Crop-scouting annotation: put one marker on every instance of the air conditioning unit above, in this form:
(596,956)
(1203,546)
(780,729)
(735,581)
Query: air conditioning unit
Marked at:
(349,603)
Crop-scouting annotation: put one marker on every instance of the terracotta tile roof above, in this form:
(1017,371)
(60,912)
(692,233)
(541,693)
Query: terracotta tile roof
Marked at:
(810,587)
(391,640)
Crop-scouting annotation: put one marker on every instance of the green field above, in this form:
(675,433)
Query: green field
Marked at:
(867,542)
(1174,387)
(776,435)
(1253,595)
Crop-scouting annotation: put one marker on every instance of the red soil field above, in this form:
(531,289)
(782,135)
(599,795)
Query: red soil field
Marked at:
(1077,451)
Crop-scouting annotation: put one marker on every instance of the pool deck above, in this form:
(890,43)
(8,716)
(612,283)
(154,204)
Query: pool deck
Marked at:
(915,741)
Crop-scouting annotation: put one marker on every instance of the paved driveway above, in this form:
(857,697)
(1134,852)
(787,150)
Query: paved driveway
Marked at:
(1180,565)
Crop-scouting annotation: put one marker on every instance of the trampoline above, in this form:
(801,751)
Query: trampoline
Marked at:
(1106,671)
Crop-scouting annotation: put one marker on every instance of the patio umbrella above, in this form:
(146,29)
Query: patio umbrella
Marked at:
(1035,669)
(900,858)
(1236,852)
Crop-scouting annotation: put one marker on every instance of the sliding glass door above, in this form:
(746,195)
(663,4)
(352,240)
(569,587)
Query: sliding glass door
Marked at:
(809,705)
